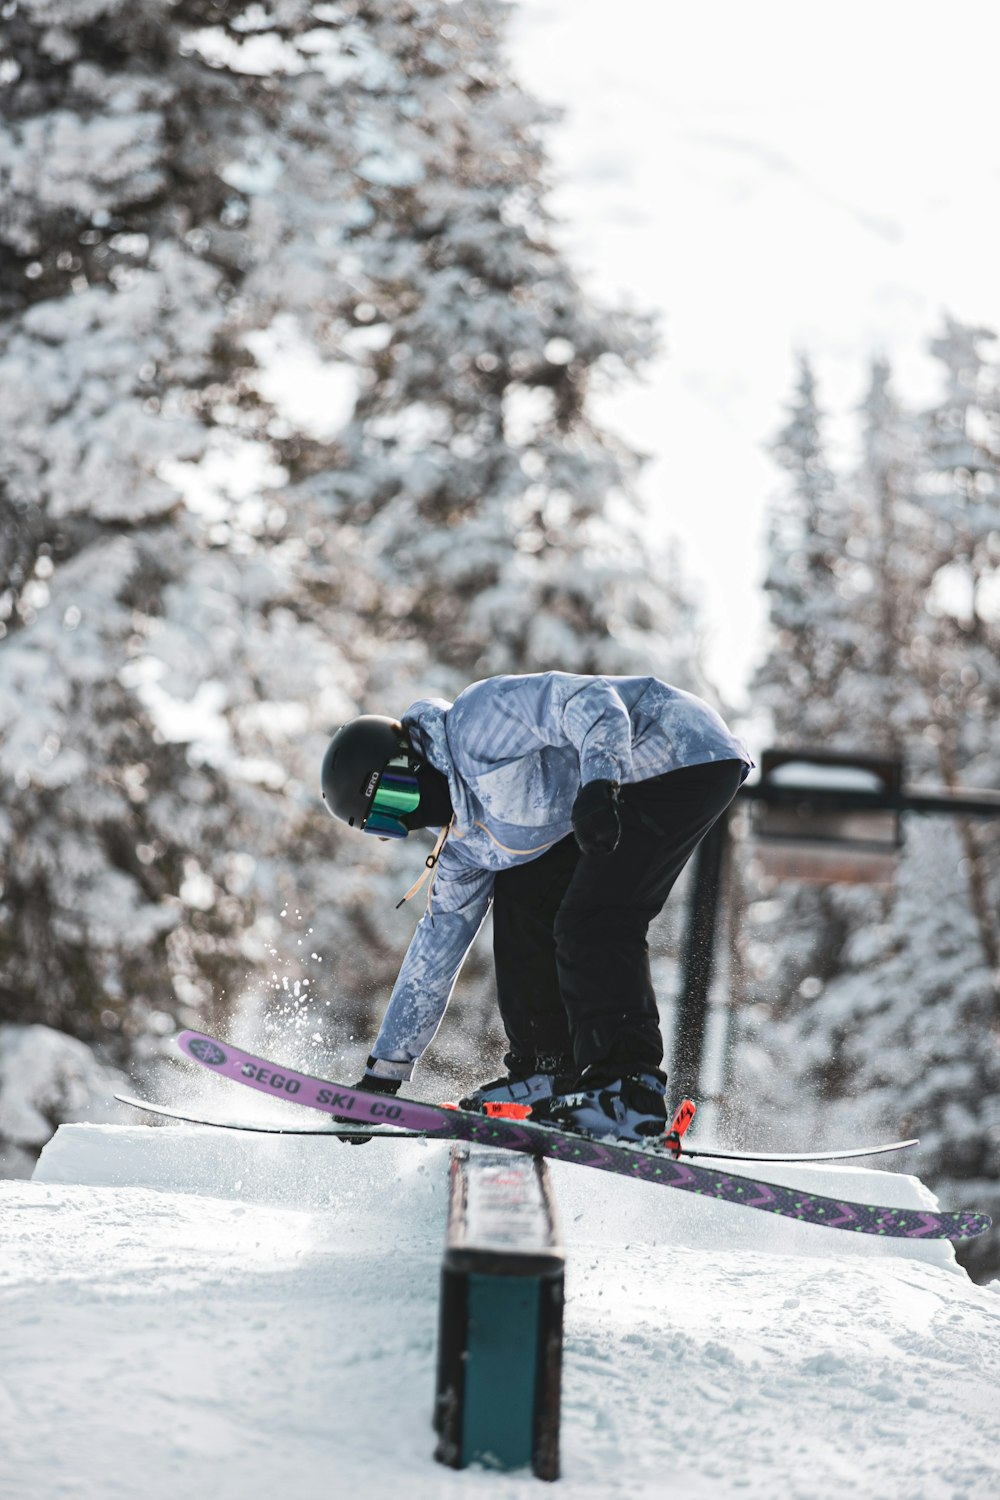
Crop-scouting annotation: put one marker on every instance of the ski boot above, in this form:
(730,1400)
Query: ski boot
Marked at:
(630,1106)
(517,1091)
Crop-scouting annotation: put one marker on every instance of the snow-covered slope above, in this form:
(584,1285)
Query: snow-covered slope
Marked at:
(199,1313)
(46,1076)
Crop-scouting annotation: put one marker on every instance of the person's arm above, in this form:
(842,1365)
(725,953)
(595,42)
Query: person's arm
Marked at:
(460,901)
(595,721)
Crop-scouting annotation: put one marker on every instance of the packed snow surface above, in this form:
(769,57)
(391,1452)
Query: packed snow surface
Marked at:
(196,1312)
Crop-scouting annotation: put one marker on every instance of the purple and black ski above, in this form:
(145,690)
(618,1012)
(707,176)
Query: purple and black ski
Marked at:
(650,1163)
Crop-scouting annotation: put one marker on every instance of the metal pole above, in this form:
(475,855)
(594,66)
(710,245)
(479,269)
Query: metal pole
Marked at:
(698,957)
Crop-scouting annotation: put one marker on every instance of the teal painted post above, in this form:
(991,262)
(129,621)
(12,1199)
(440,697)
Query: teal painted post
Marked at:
(500,1340)
(500,1371)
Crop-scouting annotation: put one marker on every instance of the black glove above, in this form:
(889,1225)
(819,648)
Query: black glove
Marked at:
(369,1084)
(597,820)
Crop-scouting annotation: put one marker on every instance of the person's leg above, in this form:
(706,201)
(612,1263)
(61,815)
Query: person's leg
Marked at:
(526,899)
(600,928)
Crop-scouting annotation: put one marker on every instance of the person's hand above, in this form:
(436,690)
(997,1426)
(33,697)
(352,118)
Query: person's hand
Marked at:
(369,1084)
(597,822)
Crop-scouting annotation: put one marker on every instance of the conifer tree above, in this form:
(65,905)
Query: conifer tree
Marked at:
(501,520)
(810,583)
(897,1032)
(121,897)
(497,527)
(936,993)
(889,537)
(297,426)
(816,648)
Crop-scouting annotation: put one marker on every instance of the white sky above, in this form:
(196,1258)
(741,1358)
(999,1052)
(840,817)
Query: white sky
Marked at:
(771,175)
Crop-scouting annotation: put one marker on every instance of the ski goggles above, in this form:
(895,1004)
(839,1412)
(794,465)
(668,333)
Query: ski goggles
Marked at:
(396,795)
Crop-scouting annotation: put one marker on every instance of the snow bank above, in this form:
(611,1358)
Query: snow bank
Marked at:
(301,1171)
(189,1311)
(45,1077)
(296,1169)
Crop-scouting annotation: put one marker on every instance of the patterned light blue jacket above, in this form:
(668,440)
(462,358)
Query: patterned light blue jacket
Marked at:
(516,751)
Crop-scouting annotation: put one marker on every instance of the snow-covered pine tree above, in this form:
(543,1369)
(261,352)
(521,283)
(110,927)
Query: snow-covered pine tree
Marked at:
(845,578)
(156,662)
(223,230)
(109,320)
(499,516)
(899,1033)
(925,994)
(814,576)
(810,683)
(499,532)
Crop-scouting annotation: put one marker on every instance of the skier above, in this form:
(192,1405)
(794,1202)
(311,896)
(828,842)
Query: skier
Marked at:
(572,804)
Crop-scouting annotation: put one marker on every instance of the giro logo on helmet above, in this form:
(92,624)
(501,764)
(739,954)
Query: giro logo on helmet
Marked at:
(372,783)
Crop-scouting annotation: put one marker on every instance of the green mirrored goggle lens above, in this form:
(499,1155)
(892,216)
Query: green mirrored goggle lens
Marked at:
(397,792)
(385,826)
(396,795)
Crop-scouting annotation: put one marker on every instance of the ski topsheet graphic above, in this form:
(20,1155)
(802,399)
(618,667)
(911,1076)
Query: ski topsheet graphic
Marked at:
(649,1163)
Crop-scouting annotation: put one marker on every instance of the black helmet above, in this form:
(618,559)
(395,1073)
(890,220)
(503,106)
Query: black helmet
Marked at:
(354,761)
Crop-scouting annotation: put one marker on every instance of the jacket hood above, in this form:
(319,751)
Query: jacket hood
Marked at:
(426,724)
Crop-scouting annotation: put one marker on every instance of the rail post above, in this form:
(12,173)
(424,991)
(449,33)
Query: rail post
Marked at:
(500,1336)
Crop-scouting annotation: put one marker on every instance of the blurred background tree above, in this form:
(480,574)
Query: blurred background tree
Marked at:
(296,424)
(874,1010)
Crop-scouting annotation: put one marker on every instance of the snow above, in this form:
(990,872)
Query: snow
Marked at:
(812,774)
(44,1076)
(188,1310)
(316,396)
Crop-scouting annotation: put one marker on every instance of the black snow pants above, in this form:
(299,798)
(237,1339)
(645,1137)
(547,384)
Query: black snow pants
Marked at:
(569,929)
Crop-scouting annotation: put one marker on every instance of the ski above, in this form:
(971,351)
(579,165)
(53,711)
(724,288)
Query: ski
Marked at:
(679,1125)
(384,1133)
(648,1163)
(792,1156)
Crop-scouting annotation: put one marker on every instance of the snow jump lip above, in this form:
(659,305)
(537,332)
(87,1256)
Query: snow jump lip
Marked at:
(626,1160)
